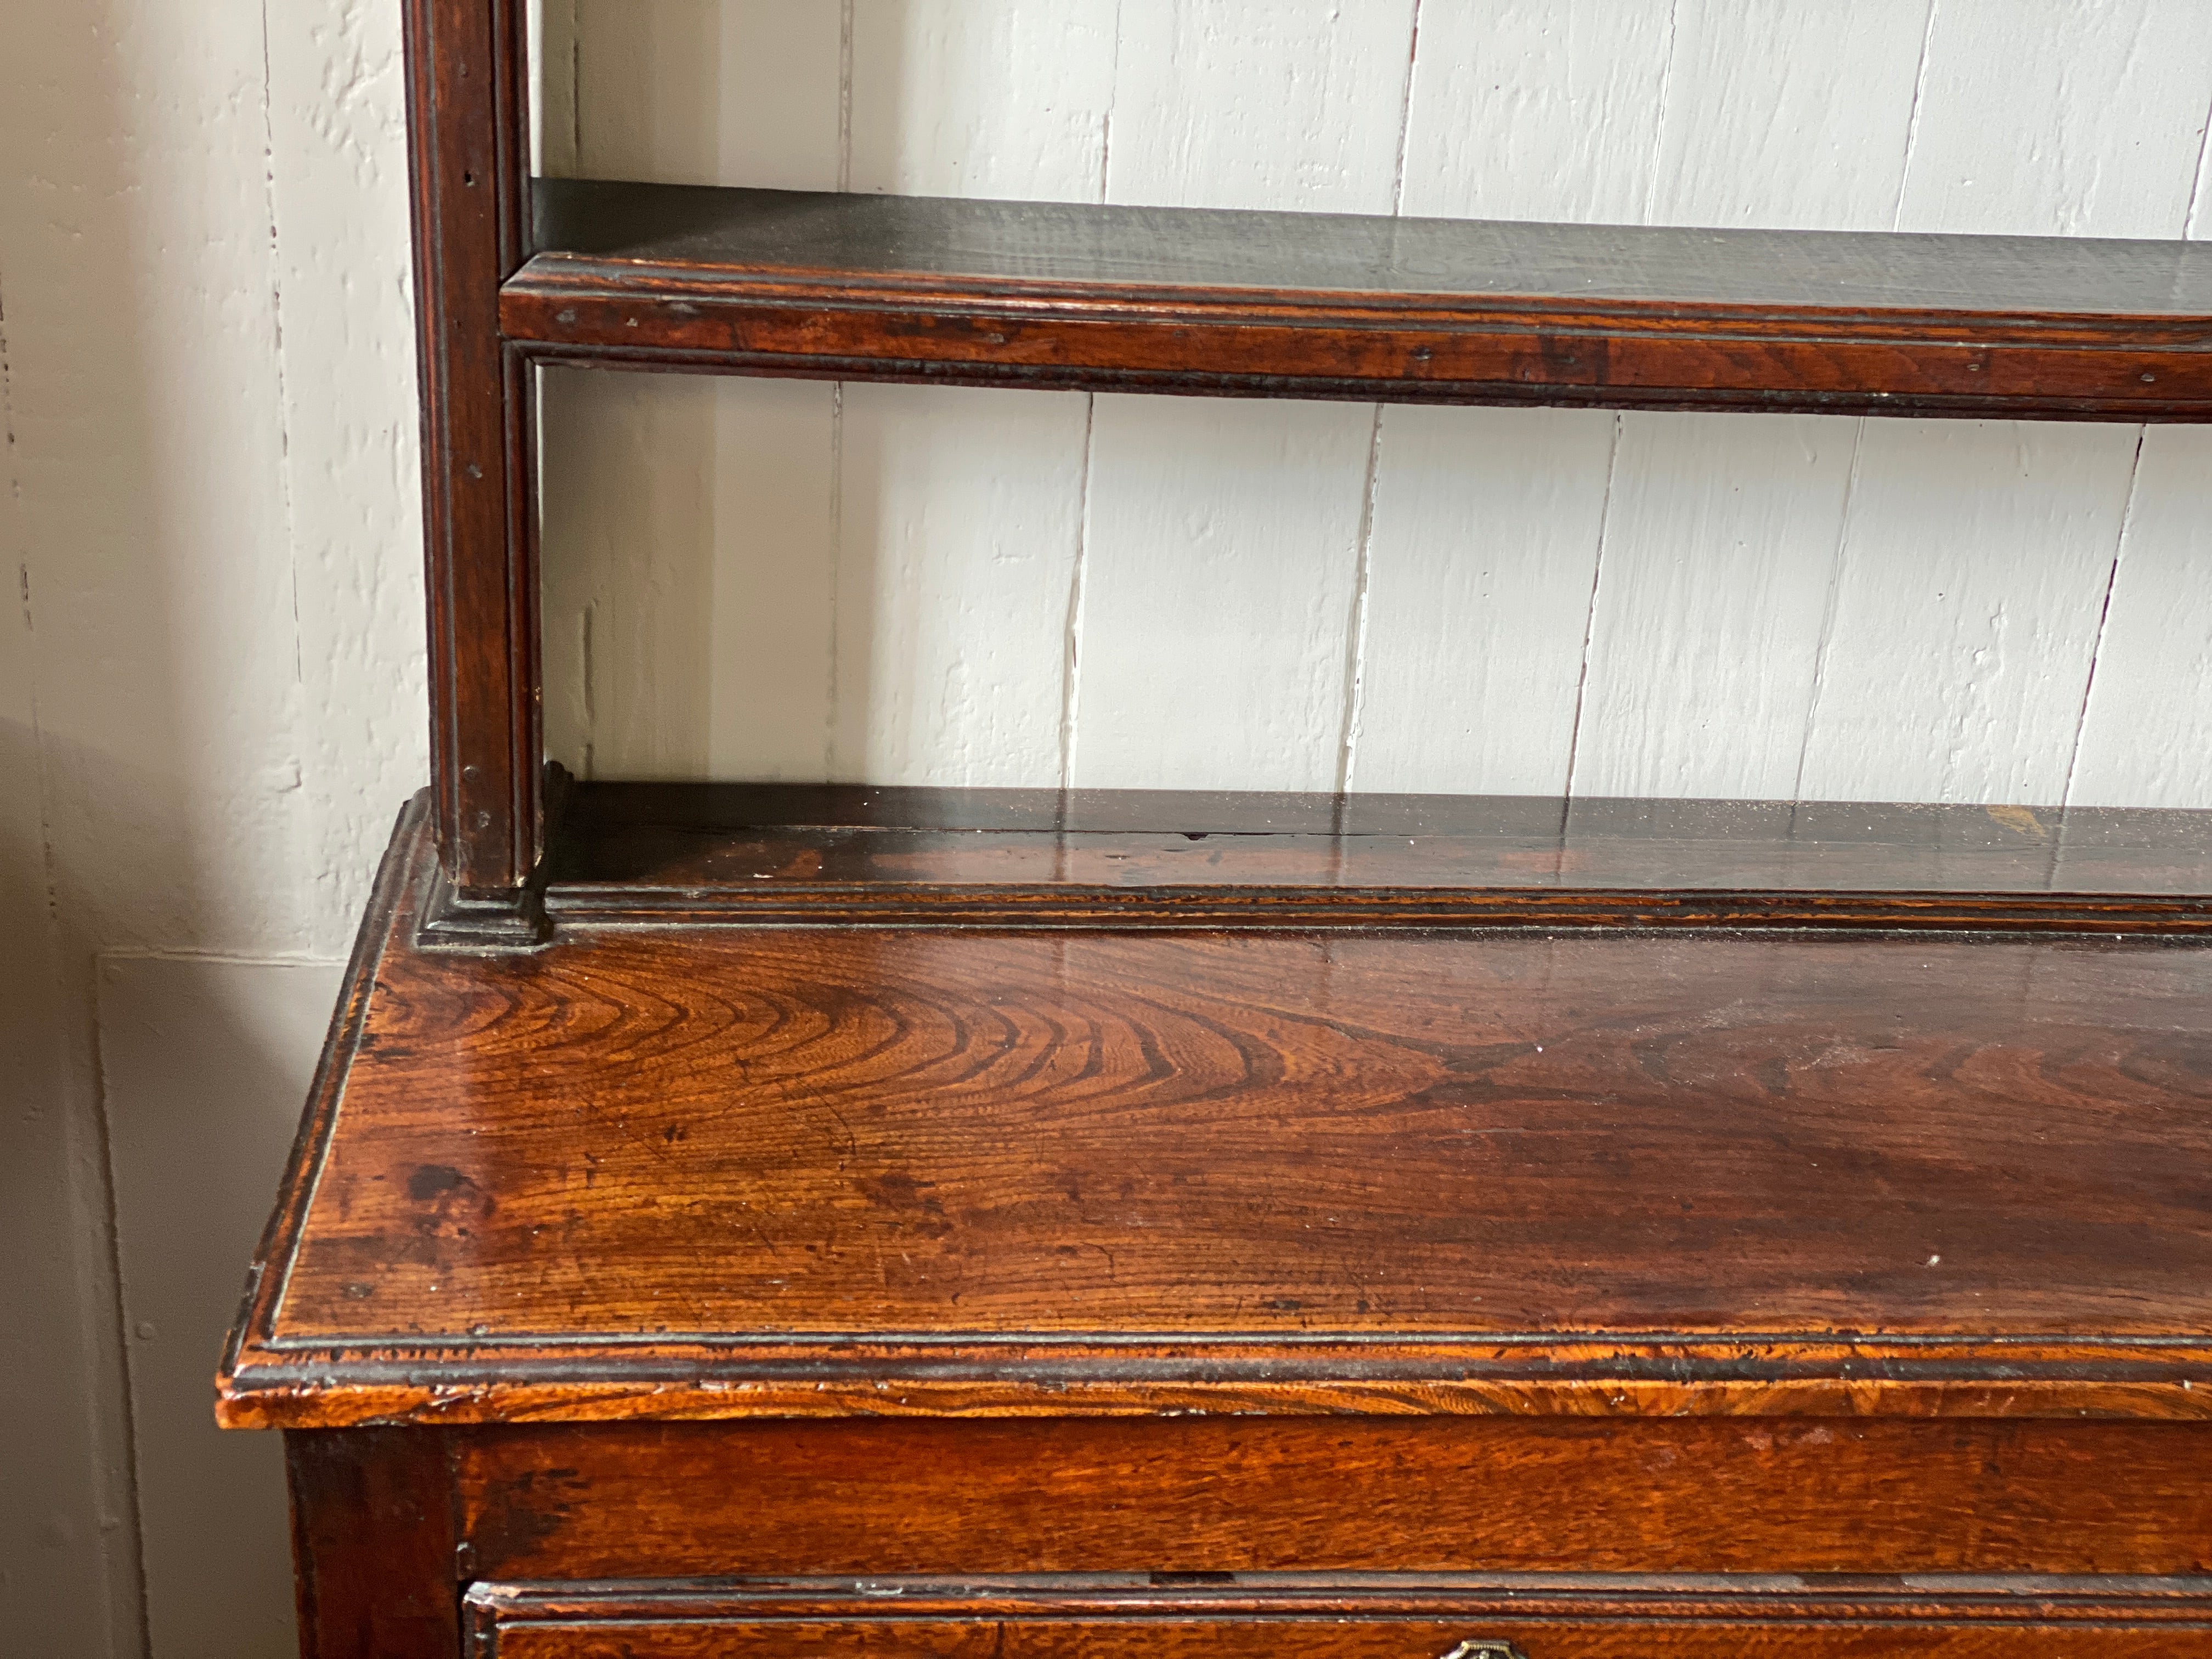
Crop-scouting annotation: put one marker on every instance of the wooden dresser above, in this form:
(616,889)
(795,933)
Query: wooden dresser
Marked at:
(834,1223)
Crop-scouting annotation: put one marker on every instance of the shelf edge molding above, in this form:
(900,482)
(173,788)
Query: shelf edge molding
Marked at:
(1232,303)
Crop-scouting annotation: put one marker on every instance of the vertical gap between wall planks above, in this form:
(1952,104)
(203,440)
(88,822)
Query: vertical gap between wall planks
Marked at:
(1659,124)
(845,96)
(2196,193)
(1825,647)
(1356,643)
(1912,120)
(591,688)
(276,320)
(1619,427)
(1828,610)
(2104,619)
(575,80)
(830,758)
(1590,622)
(1072,655)
(1071,684)
(1106,126)
(102,1202)
(2196,184)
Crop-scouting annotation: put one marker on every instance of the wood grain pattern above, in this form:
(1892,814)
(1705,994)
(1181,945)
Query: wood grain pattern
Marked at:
(1291,1494)
(963,1170)
(1395,1617)
(1436,1207)
(866,287)
(376,1544)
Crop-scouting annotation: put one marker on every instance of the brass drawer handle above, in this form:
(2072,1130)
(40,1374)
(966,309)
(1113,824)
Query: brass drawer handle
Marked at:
(1481,1647)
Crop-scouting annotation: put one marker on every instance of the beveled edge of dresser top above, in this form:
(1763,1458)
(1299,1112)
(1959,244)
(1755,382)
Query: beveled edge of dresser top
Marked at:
(269,1379)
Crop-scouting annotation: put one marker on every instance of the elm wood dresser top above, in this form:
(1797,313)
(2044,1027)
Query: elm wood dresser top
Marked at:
(721,1170)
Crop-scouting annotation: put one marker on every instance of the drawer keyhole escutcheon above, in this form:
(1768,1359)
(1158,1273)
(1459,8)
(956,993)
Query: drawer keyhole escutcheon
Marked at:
(1478,1647)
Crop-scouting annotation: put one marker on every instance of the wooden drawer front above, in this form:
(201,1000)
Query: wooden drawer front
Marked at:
(1396,1495)
(1984,1618)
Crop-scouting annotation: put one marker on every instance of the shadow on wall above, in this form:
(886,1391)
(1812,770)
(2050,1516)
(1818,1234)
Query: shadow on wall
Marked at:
(146,1107)
(635,467)
(66,1560)
(712,574)
(204,1066)
(148,697)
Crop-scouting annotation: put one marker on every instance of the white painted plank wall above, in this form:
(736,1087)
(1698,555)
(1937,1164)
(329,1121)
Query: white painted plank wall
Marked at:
(1978,556)
(1045,588)
(204,1066)
(212,706)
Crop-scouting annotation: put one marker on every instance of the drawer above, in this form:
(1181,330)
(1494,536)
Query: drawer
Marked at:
(1418,1494)
(1367,1616)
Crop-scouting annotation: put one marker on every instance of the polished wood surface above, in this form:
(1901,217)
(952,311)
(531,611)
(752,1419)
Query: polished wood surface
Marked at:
(719,1171)
(376,1545)
(1008,1211)
(1812,1528)
(577,1502)
(867,287)
(467,69)
(802,854)
(1101,1616)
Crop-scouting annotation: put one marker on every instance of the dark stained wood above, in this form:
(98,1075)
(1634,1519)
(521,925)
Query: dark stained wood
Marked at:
(725,1171)
(1403,1616)
(1289,1494)
(376,1543)
(1094,1236)
(866,287)
(785,853)
(467,149)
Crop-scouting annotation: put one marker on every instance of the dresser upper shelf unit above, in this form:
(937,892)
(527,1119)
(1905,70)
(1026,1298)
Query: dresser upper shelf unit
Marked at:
(1221,302)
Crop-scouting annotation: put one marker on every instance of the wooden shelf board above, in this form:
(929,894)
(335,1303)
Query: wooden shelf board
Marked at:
(661,852)
(865,287)
(724,1172)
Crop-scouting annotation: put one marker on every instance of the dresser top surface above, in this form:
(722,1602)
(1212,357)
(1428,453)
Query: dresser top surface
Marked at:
(720,1170)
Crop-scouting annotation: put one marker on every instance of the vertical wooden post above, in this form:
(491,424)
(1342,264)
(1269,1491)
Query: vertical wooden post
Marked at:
(375,1543)
(468,151)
